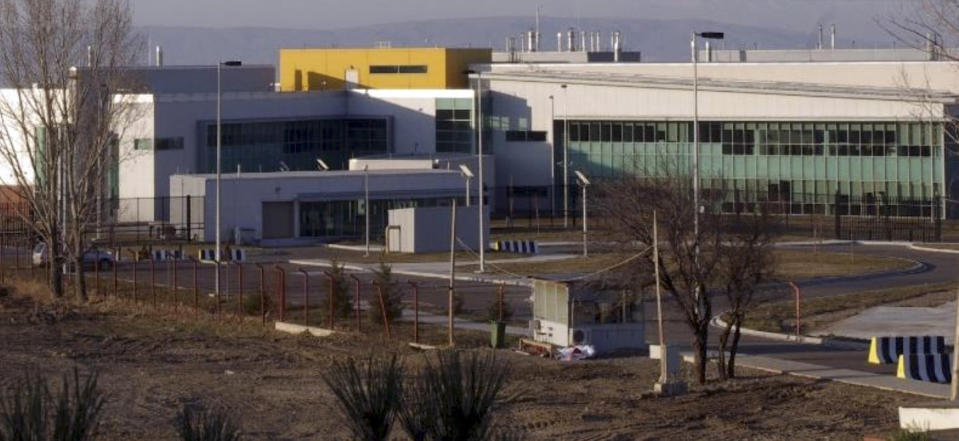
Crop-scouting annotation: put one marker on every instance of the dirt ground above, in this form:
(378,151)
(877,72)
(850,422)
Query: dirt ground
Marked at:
(150,364)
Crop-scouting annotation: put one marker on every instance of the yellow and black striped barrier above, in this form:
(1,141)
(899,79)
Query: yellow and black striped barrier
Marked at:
(886,350)
(933,368)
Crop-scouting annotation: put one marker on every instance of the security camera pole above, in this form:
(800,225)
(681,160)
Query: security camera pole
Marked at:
(468,174)
(219,147)
(583,183)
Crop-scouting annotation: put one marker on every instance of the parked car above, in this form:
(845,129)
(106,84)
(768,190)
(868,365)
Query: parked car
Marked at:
(91,258)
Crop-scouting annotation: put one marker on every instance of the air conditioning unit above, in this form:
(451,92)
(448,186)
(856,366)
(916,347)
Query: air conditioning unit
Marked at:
(580,336)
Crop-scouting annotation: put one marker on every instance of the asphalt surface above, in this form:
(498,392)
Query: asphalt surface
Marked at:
(477,297)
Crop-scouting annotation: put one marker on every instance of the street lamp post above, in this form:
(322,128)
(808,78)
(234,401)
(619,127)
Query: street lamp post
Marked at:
(219,147)
(583,183)
(565,157)
(479,159)
(468,176)
(366,204)
(552,159)
(695,56)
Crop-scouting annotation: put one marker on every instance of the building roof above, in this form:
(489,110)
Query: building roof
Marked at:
(561,76)
(332,174)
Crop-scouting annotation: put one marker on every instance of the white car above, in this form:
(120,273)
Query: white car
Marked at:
(102,259)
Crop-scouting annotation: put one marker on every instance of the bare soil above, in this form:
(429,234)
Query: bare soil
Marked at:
(152,363)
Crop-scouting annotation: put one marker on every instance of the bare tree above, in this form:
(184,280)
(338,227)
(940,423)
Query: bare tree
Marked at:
(747,262)
(731,254)
(68,102)
(688,260)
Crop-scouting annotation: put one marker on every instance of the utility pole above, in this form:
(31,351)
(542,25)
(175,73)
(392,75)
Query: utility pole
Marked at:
(452,284)
(663,374)
(565,157)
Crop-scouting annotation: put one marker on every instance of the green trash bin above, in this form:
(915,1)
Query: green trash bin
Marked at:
(497,334)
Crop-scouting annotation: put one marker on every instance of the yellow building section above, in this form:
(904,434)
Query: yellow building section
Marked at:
(386,68)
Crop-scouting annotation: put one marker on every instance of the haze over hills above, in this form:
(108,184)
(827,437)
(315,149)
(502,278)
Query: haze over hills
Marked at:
(659,40)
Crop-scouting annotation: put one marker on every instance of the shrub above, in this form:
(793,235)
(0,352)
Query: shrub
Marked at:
(32,413)
(368,398)
(251,303)
(342,295)
(200,424)
(492,311)
(453,397)
(392,298)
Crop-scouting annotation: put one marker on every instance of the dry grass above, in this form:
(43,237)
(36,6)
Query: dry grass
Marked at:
(823,311)
(808,264)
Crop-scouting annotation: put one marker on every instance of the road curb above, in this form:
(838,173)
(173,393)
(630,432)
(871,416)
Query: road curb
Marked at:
(526,283)
(718,322)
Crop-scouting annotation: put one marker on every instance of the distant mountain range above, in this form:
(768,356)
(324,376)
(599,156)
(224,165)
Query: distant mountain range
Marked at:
(658,40)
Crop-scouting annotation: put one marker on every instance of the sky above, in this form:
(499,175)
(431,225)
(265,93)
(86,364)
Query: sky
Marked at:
(855,17)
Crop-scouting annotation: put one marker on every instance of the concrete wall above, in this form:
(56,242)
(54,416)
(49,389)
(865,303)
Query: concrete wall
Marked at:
(242,196)
(427,230)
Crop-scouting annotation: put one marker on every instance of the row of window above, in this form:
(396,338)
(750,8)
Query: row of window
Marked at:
(158,143)
(525,136)
(399,69)
(305,135)
(748,135)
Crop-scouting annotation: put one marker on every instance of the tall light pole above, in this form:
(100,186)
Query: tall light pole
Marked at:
(710,36)
(552,159)
(366,204)
(219,147)
(583,182)
(565,157)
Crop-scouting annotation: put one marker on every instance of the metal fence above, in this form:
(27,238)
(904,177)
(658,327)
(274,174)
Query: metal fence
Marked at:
(270,291)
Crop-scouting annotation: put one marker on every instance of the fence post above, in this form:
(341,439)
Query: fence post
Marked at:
(173,286)
(153,281)
(239,289)
(306,297)
(259,267)
(282,291)
(1,258)
(797,294)
(116,280)
(332,287)
(196,289)
(218,291)
(416,312)
(136,260)
(96,272)
(386,319)
(499,301)
(356,300)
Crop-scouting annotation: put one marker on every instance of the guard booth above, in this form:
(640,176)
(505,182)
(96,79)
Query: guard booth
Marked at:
(570,314)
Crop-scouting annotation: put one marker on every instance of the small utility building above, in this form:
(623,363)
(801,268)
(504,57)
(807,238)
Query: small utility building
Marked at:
(569,314)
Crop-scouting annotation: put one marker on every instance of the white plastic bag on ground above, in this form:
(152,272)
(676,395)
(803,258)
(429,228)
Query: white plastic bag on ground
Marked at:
(574,353)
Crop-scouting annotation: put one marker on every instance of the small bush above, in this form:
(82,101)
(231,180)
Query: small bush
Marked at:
(453,397)
(342,295)
(368,398)
(492,311)
(392,298)
(251,303)
(32,413)
(201,424)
